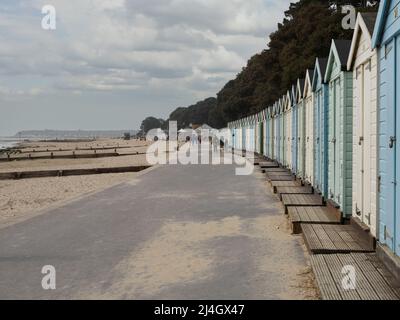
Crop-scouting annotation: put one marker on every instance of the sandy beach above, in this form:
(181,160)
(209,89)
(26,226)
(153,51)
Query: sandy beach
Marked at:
(21,199)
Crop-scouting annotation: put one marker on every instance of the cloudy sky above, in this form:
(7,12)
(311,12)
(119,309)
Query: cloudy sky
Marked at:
(111,63)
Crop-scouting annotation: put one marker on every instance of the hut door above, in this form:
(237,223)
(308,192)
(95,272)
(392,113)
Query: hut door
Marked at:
(365,140)
(388,147)
(277,138)
(396,230)
(339,118)
(359,127)
(294,139)
(317,153)
(335,136)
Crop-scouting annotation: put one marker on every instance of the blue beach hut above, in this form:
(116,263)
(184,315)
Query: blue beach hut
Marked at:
(386,39)
(320,89)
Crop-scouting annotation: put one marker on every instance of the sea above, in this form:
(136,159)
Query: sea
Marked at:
(6,142)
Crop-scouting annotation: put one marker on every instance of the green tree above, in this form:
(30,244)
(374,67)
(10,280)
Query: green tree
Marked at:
(151,123)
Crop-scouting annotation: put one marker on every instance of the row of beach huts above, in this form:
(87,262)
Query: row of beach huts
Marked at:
(336,130)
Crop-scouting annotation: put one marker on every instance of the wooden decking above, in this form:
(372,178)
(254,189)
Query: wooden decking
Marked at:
(325,239)
(281,178)
(265,165)
(280,173)
(293,190)
(335,248)
(371,280)
(275,184)
(269,170)
(301,200)
(310,215)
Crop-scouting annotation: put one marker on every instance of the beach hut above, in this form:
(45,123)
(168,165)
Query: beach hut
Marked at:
(288,129)
(278,132)
(248,134)
(253,132)
(386,40)
(238,135)
(300,129)
(363,62)
(340,126)
(294,128)
(270,133)
(267,129)
(240,130)
(274,138)
(321,97)
(232,135)
(284,131)
(309,128)
(260,132)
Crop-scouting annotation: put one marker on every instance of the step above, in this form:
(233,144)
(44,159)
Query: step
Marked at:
(372,280)
(293,190)
(281,178)
(269,170)
(329,239)
(269,164)
(280,173)
(292,183)
(301,200)
(310,215)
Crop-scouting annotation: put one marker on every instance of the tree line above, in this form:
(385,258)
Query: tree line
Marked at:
(305,33)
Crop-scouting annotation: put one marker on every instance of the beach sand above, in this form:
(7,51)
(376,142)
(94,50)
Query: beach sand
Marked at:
(22,199)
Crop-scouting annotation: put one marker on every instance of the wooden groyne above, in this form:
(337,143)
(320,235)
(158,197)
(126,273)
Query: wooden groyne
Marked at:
(22,151)
(68,172)
(73,155)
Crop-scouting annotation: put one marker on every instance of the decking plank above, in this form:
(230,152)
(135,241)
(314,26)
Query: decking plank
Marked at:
(335,267)
(314,214)
(268,170)
(362,285)
(370,284)
(312,242)
(280,178)
(379,282)
(295,190)
(326,241)
(302,200)
(340,244)
(344,237)
(352,242)
(324,279)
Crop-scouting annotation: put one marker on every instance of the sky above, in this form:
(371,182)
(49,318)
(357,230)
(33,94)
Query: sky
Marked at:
(111,63)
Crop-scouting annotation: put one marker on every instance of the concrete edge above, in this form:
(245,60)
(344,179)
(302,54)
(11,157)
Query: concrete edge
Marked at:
(389,260)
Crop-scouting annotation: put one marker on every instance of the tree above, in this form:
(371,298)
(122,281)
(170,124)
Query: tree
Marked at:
(195,114)
(304,34)
(151,123)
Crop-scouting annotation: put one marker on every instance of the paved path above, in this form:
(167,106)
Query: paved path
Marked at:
(177,232)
